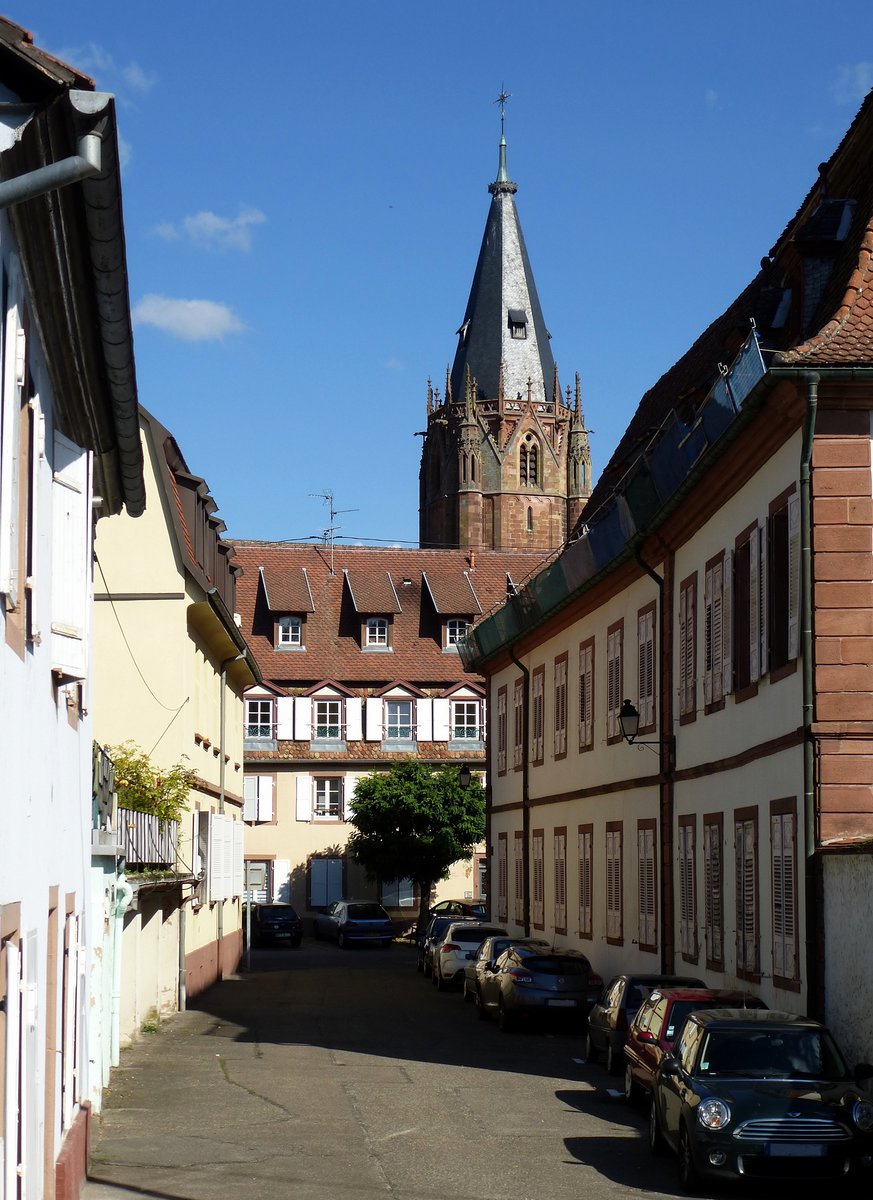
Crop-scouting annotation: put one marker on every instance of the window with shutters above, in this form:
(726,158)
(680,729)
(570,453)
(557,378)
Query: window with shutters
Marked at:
(327,798)
(783,582)
(614,884)
(586,695)
(397,893)
(560,855)
(783,867)
(327,721)
(585,835)
(687,635)
(397,723)
(260,724)
(713,889)
(560,739)
(687,850)
(538,888)
(518,872)
(502,878)
(747,922)
(518,723)
(717,661)
(258,806)
(502,730)
(325,878)
(614,680)
(466,723)
(647,887)
(749,610)
(538,715)
(646,668)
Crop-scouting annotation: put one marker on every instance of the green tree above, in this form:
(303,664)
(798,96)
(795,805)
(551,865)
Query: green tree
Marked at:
(411,822)
(144,787)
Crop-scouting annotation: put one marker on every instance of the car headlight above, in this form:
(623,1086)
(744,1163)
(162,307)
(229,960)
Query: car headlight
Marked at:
(862,1115)
(713,1114)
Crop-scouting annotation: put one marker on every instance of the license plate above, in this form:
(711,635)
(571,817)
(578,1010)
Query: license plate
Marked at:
(796,1150)
(561,1003)
(288,934)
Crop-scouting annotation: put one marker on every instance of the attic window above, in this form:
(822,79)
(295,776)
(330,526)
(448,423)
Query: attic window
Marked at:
(517,323)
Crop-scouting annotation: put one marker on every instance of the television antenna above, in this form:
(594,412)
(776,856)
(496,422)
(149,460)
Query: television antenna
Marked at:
(332,528)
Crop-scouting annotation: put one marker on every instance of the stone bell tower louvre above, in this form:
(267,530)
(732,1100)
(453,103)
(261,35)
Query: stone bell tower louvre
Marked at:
(505,463)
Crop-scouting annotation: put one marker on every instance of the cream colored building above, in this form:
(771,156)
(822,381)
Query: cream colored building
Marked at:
(171,666)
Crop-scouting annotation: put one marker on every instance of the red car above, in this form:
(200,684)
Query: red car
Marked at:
(657,1025)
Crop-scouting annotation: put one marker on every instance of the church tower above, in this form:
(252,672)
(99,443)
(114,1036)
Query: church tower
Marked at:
(505,463)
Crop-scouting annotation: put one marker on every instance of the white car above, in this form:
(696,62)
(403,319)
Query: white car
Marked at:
(460,943)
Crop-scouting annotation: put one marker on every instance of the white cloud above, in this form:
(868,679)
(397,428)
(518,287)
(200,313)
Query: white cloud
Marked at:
(137,79)
(852,83)
(712,99)
(125,152)
(190,320)
(394,364)
(93,60)
(90,60)
(212,232)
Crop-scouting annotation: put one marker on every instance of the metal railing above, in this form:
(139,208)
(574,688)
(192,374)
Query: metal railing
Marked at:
(147,841)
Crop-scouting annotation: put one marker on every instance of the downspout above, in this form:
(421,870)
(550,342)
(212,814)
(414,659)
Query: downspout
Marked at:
(525,792)
(222,720)
(814,948)
(666,752)
(183,970)
(121,903)
(35,183)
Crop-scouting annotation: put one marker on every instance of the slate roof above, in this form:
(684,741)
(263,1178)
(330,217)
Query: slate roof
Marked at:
(331,629)
(503,281)
(811,300)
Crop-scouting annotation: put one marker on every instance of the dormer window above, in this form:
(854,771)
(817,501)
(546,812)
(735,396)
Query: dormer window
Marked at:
(456,630)
(289,633)
(517,323)
(376,633)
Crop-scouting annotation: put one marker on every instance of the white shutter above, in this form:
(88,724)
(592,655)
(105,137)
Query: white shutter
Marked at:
(754,602)
(794,590)
(265,798)
(250,798)
(318,882)
(71,559)
(646,633)
(285,718)
(304,798)
(237,884)
(10,418)
(68,1018)
(424,719)
(586,707)
(374,719)
(782,827)
(441,720)
(12,1064)
(348,785)
(281,880)
(334,879)
(303,718)
(354,719)
(538,879)
(727,659)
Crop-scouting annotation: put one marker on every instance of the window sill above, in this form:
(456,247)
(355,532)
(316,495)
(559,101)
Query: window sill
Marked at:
(260,744)
(332,744)
(466,744)
(292,649)
(377,649)
(405,745)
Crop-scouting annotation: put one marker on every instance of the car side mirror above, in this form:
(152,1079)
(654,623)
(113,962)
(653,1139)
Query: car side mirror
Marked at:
(670,1067)
(646,1035)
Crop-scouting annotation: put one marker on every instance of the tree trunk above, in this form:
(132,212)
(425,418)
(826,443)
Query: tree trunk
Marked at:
(425,890)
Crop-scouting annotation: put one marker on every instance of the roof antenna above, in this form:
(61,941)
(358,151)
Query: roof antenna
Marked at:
(327,497)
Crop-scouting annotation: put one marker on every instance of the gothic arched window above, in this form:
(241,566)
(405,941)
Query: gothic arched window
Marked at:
(529,462)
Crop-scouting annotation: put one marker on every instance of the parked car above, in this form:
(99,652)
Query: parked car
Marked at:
(529,981)
(272,924)
(434,930)
(658,1023)
(484,959)
(350,921)
(453,950)
(755,1094)
(613,1011)
(459,908)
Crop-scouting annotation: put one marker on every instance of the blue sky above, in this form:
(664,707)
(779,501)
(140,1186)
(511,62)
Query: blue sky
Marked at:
(305,194)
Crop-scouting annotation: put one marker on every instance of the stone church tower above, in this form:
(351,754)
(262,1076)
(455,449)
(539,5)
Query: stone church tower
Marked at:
(505,462)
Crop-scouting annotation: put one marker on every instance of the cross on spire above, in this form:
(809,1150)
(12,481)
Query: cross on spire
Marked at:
(501,100)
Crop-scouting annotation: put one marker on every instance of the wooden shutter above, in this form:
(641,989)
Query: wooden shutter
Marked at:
(71,557)
(613,884)
(646,667)
(794,589)
(712,867)
(784,870)
(285,718)
(746,871)
(727,660)
(304,798)
(561,882)
(250,798)
(754,603)
(586,891)
(646,868)
(586,708)
(687,905)
(539,865)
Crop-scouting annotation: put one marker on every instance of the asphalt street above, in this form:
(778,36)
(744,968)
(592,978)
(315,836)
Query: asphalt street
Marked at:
(327,1074)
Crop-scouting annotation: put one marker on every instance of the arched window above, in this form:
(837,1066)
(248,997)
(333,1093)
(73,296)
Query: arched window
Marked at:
(529,462)
(530,520)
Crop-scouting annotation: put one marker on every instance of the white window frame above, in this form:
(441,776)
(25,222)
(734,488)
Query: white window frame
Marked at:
(376,633)
(290,631)
(327,798)
(399,726)
(263,704)
(335,703)
(466,724)
(456,630)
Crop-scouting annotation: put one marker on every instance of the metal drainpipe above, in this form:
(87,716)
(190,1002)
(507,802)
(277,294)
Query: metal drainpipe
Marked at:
(525,791)
(666,763)
(219,932)
(813,941)
(56,175)
(183,973)
(120,904)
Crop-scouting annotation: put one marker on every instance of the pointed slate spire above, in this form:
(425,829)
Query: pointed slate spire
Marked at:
(503,321)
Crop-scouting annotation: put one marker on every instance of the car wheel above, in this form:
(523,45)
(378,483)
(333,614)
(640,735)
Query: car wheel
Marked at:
(419,965)
(613,1059)
(590,1049)
(481,1011)
(689,1177)
(632,1090)
(388,942)
(427,969)
(439,981)
(341,940)
(505,1020)
(468,994)
(656,1138)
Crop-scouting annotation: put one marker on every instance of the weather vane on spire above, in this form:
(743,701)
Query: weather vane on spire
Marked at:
(501,100)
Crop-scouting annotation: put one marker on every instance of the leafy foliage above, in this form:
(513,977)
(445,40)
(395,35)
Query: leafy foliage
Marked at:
(413,823)
(143,787)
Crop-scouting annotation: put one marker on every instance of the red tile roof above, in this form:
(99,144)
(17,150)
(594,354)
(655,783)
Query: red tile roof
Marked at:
(288,592)
(372,591)
(331,629)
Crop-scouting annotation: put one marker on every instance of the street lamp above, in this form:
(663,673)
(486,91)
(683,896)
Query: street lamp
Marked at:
(629,723)
(464,776)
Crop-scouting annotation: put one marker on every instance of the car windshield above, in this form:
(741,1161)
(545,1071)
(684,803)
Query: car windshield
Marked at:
(557,965)
(474,935)
(366,912)
(784,1053)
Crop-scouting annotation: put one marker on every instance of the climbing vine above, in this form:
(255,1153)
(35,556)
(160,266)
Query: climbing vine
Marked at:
(144,787)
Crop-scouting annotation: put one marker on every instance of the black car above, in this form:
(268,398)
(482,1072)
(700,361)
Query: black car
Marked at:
(273,924)
(613,1011)
(754,1094)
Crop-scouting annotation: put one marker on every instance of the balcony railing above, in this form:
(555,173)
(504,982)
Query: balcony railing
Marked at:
(147,841)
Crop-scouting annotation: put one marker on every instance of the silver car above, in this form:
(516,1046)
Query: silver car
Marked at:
(351,921)
(529,981)
(484,960)
(459,943)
